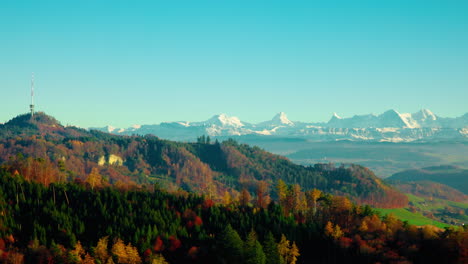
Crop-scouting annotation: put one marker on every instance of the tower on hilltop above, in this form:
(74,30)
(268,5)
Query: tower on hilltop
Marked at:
(31,106)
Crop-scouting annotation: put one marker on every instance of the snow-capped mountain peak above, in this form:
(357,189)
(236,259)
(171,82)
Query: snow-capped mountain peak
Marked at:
(110,129)
(409,120)
(335,115)
(282,118)
(389,126)
(425,114)
(335,120)
(393,118)
(224,121)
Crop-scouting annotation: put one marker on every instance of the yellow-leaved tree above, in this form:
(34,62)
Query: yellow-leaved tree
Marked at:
(88,259)
(100,251)
(293,254)
(94,179)
(333,231)
(118,250)
(78,252)
(227,198)
(158,259)
(312,197)
(282,190)
(288,253)
(132,254)
(125,254)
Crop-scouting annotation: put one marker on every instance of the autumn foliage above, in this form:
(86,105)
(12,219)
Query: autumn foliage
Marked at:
(73,196)
(42,150)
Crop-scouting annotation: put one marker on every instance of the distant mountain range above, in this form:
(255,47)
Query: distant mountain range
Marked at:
(390,126)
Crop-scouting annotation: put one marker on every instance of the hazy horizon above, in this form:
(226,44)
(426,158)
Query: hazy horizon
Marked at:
(112,123)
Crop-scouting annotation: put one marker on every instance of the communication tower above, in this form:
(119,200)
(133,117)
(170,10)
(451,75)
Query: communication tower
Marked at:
(31,106)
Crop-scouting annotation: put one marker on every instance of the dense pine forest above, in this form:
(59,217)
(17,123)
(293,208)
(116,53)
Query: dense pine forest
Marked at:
(76,223)
(68,195)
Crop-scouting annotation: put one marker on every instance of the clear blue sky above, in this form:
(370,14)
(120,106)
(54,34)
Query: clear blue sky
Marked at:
(143,62)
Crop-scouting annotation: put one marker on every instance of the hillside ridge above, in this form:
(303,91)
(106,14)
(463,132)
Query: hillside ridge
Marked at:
(207,167)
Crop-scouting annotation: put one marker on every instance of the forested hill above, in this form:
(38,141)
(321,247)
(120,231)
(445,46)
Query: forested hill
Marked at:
(44,150)
(74,223)
(453,176)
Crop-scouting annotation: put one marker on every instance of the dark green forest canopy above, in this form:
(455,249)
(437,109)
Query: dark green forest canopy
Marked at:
(41,222)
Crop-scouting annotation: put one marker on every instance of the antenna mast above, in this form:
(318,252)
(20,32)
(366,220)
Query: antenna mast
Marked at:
(31,106)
